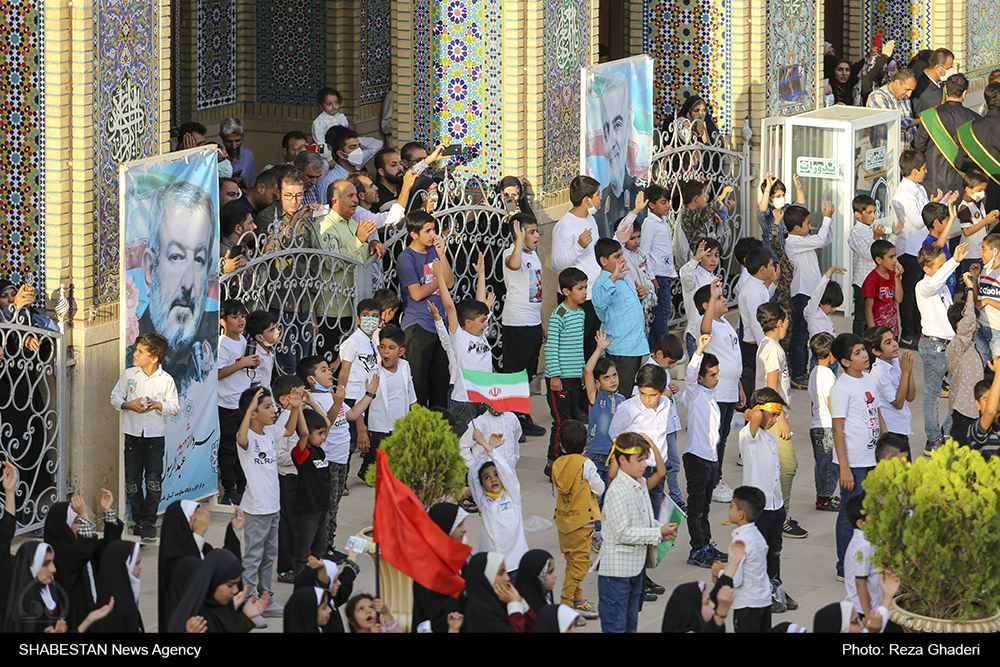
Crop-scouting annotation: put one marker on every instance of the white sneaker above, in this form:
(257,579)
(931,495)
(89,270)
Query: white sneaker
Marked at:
(722,493)
(259,623)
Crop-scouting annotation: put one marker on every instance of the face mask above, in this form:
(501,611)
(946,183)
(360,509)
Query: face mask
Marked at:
(318,387)
(225,169)
(368,324)
(948,72)
(356,157)
(591,209)
(266,343)
(988,266)
(778,202)
(978,196)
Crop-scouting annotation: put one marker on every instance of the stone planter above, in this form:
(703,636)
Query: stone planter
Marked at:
(911,622)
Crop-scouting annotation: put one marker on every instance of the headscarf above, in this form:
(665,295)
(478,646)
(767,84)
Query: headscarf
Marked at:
(176,542)
(74,559)
(448,516)
(531,575)
(309,578)
(787,628)
(484,612)
(115,580)
(683,610)
(302,608)
(833,618)
(685,109)
(555,618)
(218,567)
(31,606)
(522,195)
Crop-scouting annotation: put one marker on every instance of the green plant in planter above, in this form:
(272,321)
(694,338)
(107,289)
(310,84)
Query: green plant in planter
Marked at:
(936,524)
(423,454)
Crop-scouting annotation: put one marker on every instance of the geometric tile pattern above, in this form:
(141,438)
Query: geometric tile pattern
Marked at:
(567,44)
(466,82)
(421,82)
(375,65)
(689,42)
(291,51)
(906,21)
(791,32)
(983,36)
(22,149)
(126,117)
(216,53)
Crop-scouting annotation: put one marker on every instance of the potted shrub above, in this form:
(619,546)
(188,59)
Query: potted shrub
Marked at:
(936,524)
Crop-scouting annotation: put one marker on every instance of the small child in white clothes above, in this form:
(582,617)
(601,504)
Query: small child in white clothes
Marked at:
(491,422)
(497,491)
(751,585)
(329,101)
(860,576)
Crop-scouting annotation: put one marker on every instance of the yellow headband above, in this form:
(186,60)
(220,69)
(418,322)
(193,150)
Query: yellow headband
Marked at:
(769,407)
(615,448)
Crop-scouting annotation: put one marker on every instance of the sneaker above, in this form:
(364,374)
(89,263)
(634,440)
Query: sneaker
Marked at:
(580,621)
(779,599)
(332,554)
(274,610)
(681,505)
(722,493)
(586,609)
(720,556)
(793,530)
(703,557)
(259,623)
(831,504)
(909,343)
(523,439)
(801,382)
(931,446)
(778,607)
(790,604)
(287,577)
(840,574)
(739,459)
(148,533)
(655,587)
(548,470)
(649,596)
(530,428)
(596,542)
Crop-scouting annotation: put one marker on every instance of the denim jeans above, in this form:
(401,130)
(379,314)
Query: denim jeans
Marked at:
(143,459)
(655,493)
(844,529)
(932,355)
(618,602)
(826,473)
(690,344)
(799,351)
(600,461)
(260,537)
(660,326)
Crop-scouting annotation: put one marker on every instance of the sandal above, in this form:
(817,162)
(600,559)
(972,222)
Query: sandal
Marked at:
(469,505)
(347,491)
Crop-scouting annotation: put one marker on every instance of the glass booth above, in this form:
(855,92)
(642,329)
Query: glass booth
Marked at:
(838,153)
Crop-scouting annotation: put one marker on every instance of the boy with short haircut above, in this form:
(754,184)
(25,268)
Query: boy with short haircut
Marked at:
(724,344)
(637,266)
(972,216)
(857,424)
(893,375)
(358,360)
(801,247)
(740,252)
(751,584)
(237,371)
(262,501)
(564,356)
(891,446)
(860,576)
(758,289)
(696,274)
(821,379)
(318,377)
(772,372)
(989,297)
(826,298)
(262,330)
(148,391)
(863,235)
(882,289)
(698,214)
(428,360)
(965,365)
(984,434)
(617,303)
(312,499)
(938,219)
(657,243)
(388,302)
(522,309)
(933,300)
(629,525)
(762,468)
(701,457)
(395,397)
(282,388)
(579,485)
(666,353)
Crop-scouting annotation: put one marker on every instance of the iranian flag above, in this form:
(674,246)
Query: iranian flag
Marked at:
(504,392)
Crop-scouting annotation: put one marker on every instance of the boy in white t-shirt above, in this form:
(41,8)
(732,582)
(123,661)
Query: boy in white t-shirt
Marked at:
(694,274)
(467,323)
(358,361)
(237,371)
(522,309)
(396,395)
(861,579)
(316,373)
(262,330)
(725,345)
(262,501)
(857,425)
(893,375)
(821,379)
(973,218)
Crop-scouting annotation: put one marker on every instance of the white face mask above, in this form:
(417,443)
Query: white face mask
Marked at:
(988,266)
(948,72)
(356,157)
(978,196)
(778,202)
(591,209)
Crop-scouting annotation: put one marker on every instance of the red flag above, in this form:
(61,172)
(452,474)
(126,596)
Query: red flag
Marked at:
(409,540)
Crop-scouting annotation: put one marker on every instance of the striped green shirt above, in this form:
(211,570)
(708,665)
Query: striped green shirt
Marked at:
(564,346)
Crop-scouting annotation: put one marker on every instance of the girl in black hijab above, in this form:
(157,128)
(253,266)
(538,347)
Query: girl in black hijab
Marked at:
(118,578)
(430,605)
(337,580)
(308,610)
(559,618)
(693,123)
(536,577)
(182,535)
(692,609)
(69,529)
(213,598)
(494,605)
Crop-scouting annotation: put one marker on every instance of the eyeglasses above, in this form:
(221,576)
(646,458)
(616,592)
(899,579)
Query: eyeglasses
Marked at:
(295,197)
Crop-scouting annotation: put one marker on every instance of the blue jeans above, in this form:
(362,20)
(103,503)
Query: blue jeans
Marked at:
(826,473)
(618,602)
(660,326)
(799,352)
(932,355)
(844,529)
(655,493)
(600,461)
(673,464)
(690,344)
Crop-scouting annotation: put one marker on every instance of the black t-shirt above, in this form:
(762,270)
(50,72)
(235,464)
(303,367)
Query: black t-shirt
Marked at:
(312,493)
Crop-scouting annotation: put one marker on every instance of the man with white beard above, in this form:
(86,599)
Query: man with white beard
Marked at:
(616,122)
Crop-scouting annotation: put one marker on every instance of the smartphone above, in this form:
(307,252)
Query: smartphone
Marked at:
(510,205)
(237,174)
(878,41)
(315,148)
(453,149)
(235,251)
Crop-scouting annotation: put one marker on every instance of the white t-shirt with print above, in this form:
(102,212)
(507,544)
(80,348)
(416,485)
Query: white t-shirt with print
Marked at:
(260,465)
(233,385)
(337,445)
(523,305)
(855,400)
(471,353)
(359,351)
